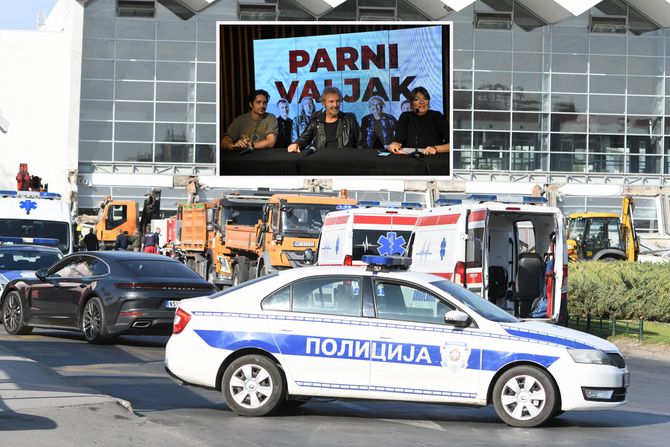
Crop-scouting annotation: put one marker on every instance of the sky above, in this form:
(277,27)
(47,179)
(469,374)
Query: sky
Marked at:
(22,14)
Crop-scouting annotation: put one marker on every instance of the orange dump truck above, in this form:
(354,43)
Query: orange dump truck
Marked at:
(236,238)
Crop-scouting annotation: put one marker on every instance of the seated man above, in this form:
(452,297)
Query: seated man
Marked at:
(256,129)
(332,128)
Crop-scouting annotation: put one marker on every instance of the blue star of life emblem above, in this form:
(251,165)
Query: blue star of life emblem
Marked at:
(337,245)
(28,205)
(390,244)
(443,248)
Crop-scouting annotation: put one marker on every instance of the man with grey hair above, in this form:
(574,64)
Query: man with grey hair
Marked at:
(330,129)
(377,127)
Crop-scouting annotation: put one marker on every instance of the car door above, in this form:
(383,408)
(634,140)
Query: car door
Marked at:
(318,326)
(56,300)
(414,352)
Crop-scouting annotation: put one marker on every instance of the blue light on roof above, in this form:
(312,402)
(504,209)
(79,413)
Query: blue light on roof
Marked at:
(345,207)
(369,203)
(387,261)
(447,202)
(8,193)
(483,197)
(533,199)
(29,240)
(49,195)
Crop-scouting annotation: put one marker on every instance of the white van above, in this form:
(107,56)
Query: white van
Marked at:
(513,254)
(349,234)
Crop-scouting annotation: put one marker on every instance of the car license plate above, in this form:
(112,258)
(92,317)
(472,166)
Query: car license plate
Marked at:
(171,304)
(626,380)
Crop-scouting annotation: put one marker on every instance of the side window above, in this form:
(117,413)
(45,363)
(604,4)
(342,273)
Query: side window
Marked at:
(82,268)
(66,270)
(474,248)
(280,300)
(404,302)
(333,296)
(614,235)
(97,267)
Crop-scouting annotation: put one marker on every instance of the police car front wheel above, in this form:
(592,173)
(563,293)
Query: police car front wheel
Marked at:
(525,396)
(253,386)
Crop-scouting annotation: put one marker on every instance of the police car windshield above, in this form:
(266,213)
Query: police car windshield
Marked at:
(484,308)
(37,229)
(304,220)
(32,260)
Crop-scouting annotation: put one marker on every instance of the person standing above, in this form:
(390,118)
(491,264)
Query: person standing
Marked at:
(308,111)
(149,241)
(121,242)
(284,124)
(91,241)
(159,238)
(192,188)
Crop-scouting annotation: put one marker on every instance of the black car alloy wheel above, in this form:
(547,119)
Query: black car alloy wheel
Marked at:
(93,321)
(12,315)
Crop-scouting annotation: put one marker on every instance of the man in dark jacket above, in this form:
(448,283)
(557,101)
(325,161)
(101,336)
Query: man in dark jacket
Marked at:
(331,128)
(149,241)
(91,241)
(121,242)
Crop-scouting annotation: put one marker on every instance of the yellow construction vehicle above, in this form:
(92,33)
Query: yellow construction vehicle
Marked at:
(603,236)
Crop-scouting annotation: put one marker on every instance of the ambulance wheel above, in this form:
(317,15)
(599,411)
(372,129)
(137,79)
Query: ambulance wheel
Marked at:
(525,396)
(253,386)
(13,315)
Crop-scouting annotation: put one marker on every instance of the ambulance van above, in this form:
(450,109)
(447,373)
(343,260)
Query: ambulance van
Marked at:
(513,254)
(352,232)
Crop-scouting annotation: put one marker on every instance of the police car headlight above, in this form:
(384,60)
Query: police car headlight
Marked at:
(591,356)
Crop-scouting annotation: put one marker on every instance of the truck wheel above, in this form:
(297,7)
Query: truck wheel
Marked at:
(253,386)
(240,274)
(525,396)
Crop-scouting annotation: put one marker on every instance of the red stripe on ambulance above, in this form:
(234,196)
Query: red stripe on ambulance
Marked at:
(445,219)
(336,220)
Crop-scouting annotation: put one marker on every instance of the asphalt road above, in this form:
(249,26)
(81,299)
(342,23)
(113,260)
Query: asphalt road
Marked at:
(166,412)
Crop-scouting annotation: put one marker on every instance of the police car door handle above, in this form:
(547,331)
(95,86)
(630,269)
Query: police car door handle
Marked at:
(286,328)
(386,336)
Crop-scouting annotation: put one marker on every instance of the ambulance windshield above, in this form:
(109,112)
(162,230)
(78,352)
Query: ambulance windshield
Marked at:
(304,220)
(37,229)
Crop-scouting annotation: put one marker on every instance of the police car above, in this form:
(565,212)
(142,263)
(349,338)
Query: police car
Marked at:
(19,258)
(379,332)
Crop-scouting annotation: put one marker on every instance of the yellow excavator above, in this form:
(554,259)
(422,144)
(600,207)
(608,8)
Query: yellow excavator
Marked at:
(603,236)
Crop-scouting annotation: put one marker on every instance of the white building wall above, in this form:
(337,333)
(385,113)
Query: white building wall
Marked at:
(40,74)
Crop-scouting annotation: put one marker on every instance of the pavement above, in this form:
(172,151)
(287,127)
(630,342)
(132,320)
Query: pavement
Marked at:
(26,384)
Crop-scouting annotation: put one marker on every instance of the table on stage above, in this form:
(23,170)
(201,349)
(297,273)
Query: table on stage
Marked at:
(332,162)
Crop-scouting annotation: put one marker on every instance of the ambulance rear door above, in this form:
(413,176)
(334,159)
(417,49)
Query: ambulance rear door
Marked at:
(385,232)
(475,262)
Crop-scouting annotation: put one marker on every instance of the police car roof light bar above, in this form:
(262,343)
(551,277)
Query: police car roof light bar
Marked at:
(447,202)
(345,207)
(534,200)
(386,263)
(483,197)
(368,203)
(29,240)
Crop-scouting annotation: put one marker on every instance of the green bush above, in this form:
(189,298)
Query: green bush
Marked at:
(623,290)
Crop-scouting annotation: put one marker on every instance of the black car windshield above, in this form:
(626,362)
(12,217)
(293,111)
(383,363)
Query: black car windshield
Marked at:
(304,220)
(147,268)
(37,229)
(483,307)
(26,259)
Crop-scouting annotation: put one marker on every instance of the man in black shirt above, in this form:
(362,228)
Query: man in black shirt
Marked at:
(121,242)
(91,241)
(422,127)
(330,129)
(284,125)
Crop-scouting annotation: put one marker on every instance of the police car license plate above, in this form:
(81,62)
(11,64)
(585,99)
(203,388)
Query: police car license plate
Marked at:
(171,304)
(626,380)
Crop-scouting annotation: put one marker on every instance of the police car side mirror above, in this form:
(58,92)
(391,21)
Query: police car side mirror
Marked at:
(41,274)
(457,318)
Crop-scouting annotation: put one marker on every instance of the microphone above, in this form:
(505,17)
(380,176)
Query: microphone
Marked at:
(309,150)
(416,125)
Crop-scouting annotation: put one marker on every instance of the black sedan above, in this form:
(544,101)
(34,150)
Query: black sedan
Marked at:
(102,294)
